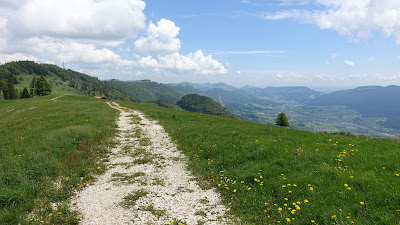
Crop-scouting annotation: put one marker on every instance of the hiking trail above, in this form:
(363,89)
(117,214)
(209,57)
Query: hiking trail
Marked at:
(147,181)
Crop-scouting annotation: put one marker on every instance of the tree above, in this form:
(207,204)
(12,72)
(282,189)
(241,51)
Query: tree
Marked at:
(25,93)
(32,86)
(13,93)
(42,87)
(282,120)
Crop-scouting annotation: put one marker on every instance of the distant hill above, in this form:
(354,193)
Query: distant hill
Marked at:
(297,94)
(76,82)
(371,101)
(222,93)
(203,104)
(146,90)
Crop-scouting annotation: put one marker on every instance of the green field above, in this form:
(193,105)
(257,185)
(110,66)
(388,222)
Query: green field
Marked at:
(47,150)
(266,174)
(271,175)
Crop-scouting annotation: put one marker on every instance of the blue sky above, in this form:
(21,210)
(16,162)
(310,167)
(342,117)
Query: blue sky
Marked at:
(316,43)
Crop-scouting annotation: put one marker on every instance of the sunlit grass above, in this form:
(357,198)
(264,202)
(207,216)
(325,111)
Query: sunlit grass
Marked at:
(47,149)
(271,175)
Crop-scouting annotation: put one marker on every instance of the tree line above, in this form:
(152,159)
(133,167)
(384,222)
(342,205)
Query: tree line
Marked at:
(38,87)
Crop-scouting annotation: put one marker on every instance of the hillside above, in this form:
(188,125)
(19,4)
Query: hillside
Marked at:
(371,101)
(297,94)
(72,82)
(146,91)
(49,148)
(203,104)
(270,174)
(265,173)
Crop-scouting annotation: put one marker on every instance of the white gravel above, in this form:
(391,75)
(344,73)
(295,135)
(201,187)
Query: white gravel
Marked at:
(146,161)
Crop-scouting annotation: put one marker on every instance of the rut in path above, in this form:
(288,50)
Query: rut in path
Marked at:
(147,182)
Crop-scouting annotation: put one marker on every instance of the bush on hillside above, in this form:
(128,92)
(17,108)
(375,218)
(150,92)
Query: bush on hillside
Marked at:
(203,104)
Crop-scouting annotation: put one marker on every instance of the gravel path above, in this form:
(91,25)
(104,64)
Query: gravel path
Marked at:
(147,182)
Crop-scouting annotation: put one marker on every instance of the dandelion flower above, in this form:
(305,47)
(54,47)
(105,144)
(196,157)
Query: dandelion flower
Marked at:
(279,209)
(288,219)
(234,190)
(311,189)
(333,217)
(349,188)
(286,199)
(285,204)
(305,200)
(293,211)
(351,177)
(397,175)
(346,185)
(312,221)
(362,203)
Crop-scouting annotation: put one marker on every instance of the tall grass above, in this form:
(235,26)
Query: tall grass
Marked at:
(48,149)
(271,175)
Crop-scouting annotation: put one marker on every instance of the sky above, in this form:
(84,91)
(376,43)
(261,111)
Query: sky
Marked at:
(314,43)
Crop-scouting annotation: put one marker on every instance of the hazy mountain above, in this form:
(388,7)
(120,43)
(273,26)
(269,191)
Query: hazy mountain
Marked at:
(371,101)
(297,94)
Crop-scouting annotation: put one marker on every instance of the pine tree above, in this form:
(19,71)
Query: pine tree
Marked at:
(42,87)
(282,120)
(32,86)
(25,93)
(13,93)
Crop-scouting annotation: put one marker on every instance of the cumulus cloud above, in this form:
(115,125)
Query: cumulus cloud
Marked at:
(163,46)
(353,18)
(84,32)
(349,63)
(5,58)
(161,39)
(78,19)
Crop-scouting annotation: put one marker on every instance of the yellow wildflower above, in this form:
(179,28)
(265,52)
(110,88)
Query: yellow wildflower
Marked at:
(333,217)
(288,219)
(311,189)
(279,209)
(305,200)
(362,203)
(346,185)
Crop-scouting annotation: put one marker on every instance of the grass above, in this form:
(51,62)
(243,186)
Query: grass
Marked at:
(134,196)
(48,149)
(268,174)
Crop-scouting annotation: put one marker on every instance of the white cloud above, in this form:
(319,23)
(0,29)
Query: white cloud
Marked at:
(333,56)
(349,63)
(245,1)
(161,39)
(291,76)
(102,20)
(371,59)
(163,46)
(81,33)
(356,17)
(5,58)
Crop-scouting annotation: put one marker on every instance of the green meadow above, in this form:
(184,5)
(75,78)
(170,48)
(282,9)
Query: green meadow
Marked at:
(48,149)
(273,175)
(266,174)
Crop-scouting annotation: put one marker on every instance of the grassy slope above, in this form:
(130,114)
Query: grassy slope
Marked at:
(59,87)
(44,142)
(258,169)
